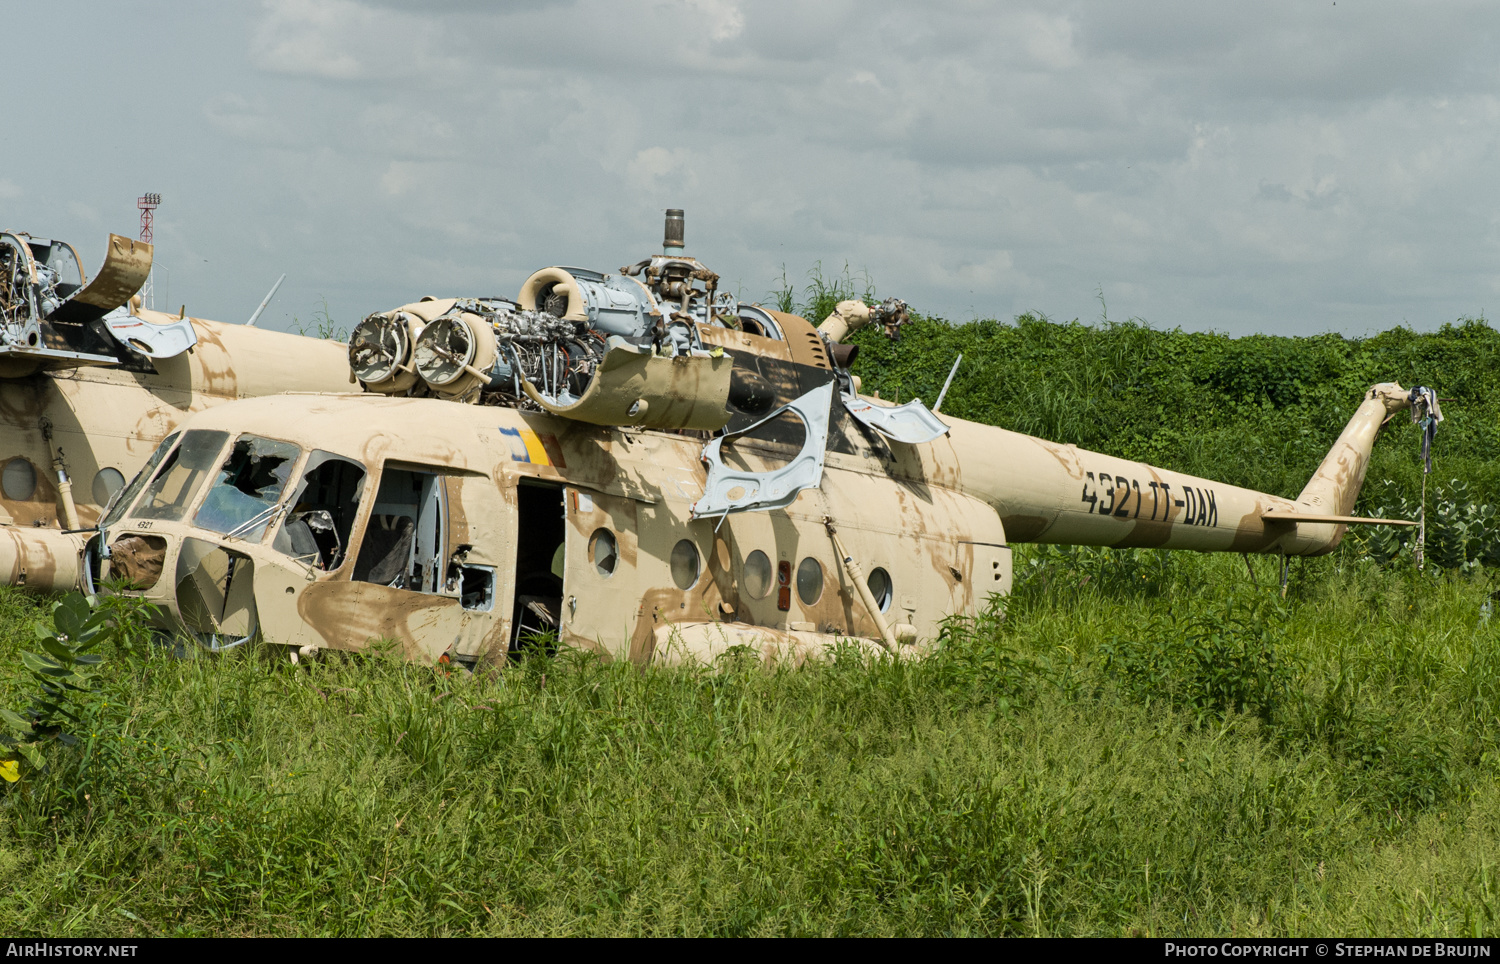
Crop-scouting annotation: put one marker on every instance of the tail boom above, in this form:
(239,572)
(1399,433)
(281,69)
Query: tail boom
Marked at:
(1051,493)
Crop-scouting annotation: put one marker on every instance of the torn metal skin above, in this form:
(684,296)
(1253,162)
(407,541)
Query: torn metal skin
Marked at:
(536,507)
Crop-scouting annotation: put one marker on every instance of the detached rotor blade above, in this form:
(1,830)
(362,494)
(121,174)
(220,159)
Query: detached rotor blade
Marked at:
(265,301)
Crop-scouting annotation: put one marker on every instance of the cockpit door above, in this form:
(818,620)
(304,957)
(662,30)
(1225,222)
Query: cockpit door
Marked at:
(401,578)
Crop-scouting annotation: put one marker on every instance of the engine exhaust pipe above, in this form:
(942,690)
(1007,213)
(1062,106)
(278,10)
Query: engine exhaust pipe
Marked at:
(673,242)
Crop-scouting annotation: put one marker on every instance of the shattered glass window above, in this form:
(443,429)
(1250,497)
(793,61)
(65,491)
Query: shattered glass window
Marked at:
(316,529)
(244,497)
(181,476)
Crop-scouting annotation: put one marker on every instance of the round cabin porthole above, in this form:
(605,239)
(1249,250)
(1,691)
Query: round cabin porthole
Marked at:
(809,581)
(880,587)
(685,564)
(107,482)
(18,480)
(603,551)
(756,577)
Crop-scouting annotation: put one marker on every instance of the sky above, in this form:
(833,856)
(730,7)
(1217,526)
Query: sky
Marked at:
(1279,167)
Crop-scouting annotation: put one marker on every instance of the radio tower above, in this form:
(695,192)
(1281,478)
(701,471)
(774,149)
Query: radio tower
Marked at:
(148,203)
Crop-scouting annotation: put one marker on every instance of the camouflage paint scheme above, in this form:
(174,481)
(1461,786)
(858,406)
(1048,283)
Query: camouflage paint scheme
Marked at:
(937,518)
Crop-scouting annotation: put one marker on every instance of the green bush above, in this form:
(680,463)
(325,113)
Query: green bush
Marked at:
(62,674)
(1215,657)
(1260,412)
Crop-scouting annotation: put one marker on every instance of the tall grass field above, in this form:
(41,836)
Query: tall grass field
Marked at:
(1134,743)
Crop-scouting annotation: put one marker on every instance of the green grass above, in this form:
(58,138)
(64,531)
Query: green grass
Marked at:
(1019,783)
(1144,742)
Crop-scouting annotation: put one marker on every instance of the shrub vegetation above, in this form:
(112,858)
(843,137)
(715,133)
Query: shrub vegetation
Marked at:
(1136,742)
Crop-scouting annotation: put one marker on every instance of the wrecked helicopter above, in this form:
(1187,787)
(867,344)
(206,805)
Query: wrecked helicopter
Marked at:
(91,382)
(638,463)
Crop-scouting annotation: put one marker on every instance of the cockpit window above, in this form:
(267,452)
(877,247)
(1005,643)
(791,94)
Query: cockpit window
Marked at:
(245,496)
(123,499)
(316,530)
(181,476)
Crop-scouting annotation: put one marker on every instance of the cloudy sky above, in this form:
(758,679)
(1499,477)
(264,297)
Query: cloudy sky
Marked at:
(1284,167)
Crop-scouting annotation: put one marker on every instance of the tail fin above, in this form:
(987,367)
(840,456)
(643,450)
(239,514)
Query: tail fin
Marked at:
(1334,488)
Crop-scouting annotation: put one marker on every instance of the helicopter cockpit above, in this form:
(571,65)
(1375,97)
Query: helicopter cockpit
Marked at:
(211,507)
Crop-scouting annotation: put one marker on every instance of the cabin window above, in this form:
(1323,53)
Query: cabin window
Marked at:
(604,550)
(316,530)
(18,481)
(755,579)
(880,588)
(247,493)
(477,588)
(686,564)
(402,545)
(809,581)
(181,476)
(107,482)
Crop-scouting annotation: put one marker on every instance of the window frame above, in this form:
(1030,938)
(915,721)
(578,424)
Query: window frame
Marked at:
(436,495)
(168,462)
(270,516)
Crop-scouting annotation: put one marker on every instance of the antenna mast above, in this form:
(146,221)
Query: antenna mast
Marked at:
(148,203)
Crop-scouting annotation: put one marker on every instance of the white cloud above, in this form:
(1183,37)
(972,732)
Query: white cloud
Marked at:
(654,164)
(343,40)
(83,212)
(1272,167)
(309,37)
(725,20)
(399,178)
(242,120)
(1049,40)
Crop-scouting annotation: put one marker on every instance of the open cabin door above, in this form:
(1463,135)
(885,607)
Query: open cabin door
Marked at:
(575,569)
(539,566)
(411,568)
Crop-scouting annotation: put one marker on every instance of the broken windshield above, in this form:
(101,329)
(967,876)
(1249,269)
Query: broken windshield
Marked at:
(317,527)
(243,499)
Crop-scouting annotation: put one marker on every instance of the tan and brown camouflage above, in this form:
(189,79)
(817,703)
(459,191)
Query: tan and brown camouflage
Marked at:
(789,515)
(81,409)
